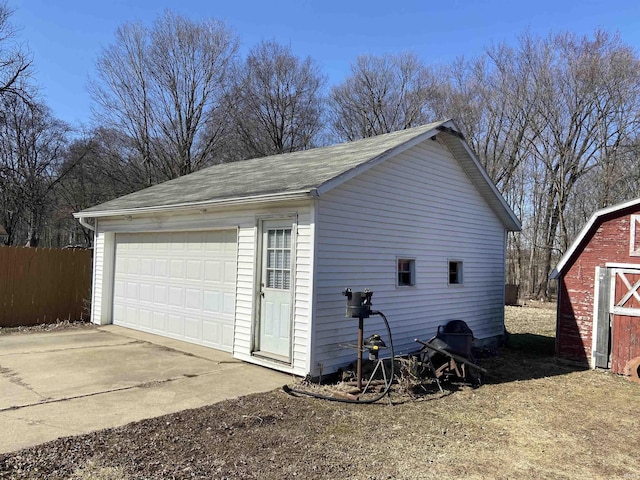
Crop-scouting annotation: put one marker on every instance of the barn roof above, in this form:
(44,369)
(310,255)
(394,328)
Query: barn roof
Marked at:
(587,232)
(299,175)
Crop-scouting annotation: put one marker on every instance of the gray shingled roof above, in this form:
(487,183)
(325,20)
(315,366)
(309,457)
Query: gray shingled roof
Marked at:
(276,174)
(298,174)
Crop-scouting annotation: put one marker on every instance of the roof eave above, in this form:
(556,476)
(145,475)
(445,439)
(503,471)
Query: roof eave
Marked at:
(557,272)
(501,208)
(510,220)
(357,170)
(181,207)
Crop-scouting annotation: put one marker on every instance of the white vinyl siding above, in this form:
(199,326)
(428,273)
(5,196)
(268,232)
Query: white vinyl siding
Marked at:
(101,300)
(98,278)
(419,205)
(245,294)
(302,293)
(245,221)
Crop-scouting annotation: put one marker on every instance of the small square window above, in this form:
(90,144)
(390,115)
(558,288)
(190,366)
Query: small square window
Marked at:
(455,272)
(406,272)
(634,234)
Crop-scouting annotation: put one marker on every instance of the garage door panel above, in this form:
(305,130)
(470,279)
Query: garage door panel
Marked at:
(118,314)
(179,284)
(177,244)
(175,324)
(121,265)
(131,313)
(176,269)
(192,328)
(193,299)
(118,289)
(160,268)
(160,295)
(159,321)
(133,266)
(146,267)
(227,333)
(213,271)
(146,292)
(211,332)
(229,303)
(145,316)
(212,302)
(194,270)
(230,272)
(131,291)
(176,297)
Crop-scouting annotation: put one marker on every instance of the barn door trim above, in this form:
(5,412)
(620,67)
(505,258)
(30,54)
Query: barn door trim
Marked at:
(625,309)
(601,337)
(632,291)
(634,236)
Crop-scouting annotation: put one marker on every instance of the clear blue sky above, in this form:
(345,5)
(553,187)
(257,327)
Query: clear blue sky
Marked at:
(66,36)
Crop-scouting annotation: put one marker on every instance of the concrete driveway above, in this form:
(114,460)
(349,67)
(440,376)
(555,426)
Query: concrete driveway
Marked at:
(77,381)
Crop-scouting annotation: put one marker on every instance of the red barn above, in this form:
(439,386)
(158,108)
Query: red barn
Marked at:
(598,321)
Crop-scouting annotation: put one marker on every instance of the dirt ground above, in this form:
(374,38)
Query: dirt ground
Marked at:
(533,418)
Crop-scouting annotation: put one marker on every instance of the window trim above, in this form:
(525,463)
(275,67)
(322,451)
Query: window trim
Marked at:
(634,238)
(459,272)
(412,272)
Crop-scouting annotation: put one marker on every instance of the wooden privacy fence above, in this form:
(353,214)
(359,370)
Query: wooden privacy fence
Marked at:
(43,285)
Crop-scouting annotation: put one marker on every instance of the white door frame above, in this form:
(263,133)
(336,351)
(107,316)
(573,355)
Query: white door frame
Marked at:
(603,314)
(264,224)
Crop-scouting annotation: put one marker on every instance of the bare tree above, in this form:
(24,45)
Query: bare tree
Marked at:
(32,142)
(162,86)
(587,112)
(382,94)
(102,164)
(542,116)
(15,62)
(276,102)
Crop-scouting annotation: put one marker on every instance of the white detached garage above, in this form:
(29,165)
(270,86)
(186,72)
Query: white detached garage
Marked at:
(251,257)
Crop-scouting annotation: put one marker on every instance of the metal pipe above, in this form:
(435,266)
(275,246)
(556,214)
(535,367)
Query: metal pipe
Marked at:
(294,391)
(360,347)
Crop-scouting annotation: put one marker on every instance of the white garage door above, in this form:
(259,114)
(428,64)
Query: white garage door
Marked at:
(177,284)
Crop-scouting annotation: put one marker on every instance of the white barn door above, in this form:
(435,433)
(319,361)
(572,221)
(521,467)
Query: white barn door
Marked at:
(177,284)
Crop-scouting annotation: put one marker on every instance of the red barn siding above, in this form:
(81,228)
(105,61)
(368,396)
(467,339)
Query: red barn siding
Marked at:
(609,243)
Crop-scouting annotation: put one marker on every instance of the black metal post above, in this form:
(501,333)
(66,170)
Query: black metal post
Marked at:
(360,347)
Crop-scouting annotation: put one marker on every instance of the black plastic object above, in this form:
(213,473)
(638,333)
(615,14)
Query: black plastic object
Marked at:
(458,337)
(358,303)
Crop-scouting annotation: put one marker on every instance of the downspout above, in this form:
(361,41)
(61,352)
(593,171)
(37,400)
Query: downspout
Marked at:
(86,224)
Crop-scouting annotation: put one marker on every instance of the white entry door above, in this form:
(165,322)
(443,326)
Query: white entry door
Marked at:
(275,293)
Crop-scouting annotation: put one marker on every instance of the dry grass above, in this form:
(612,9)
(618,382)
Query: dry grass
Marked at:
(535,418)
(92,471)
